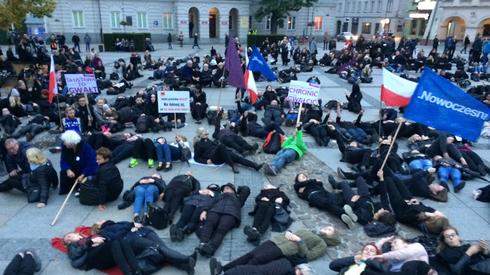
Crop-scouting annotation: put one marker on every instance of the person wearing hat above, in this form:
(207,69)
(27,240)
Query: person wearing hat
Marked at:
(268,203)
(303,243)
(221,217)
(193,206)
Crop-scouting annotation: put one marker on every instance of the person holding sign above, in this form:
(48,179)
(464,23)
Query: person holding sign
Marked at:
(293,148)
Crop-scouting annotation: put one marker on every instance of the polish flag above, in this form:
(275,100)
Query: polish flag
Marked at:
(395,90)
(250,82)
(53,85)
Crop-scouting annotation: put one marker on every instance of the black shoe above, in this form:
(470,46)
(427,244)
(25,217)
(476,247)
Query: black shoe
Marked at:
(173,232)
(235,170)
(206,250)
(340,173)
(168,167)
(460,187)
(215,266)
(35,257)
(138,219)
(160,167)
(251,233)
(258,166)
(190,266)
(333,183)
(482,170)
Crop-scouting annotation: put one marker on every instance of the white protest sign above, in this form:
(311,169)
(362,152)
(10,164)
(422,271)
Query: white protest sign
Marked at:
(174,102)
(81,84)
(303,92)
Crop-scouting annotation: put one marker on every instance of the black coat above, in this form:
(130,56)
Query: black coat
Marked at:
(272,195)
(342,265)
(189,183)
(202,201)
(13,162)
(231,203)
(109,181)
(40,180)
(204,149)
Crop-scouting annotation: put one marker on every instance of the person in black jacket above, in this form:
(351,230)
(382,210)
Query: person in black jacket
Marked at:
(107,178)
(42,177)
(199,104)
(16,164)
(211,152)
(221,217)
(193,206)
(369,250)
(468,259)
(313,191)
(179,187)
(26,262)
(267,203)
(8,121)
(354,99)
(228,136)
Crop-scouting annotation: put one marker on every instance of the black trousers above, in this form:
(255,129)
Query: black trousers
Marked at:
(281,266)
(215,228)
(100,257)
(223,155)
(236,142)
(262,254)
(173,199)
(123,151)
(262,132)
(32,128)
(353,155)
(348,193)
(189,218)
(11,183)
(66,182)
(198,111)
(398,193)
(124,256)
(97,140)
(264,212)
(152,240)
(21,266)
(327,201)
(144,149)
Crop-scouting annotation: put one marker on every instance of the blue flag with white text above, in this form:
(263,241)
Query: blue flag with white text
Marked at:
(257,64)
(438,103)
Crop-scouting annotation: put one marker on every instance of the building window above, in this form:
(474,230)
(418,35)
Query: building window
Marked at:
(376,28)
(115,19)
(423,25)
(318,23)
(366,6)
(366,28)
(268,23)
(359,7)
(291,22)
(347,7)
(389,6)
(142,20)
(168,22)
(380,3)
(354,27)
(78,19)
(372,5)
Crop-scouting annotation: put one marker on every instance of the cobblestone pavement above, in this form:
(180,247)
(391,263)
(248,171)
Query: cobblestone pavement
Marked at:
(23,226)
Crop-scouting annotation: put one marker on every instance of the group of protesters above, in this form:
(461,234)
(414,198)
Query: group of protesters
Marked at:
(383,187)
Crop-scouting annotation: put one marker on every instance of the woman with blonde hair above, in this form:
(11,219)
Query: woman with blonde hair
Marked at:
(15,105)
(42,177)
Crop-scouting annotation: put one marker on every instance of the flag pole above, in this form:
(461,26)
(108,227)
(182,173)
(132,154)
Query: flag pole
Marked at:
(391,145)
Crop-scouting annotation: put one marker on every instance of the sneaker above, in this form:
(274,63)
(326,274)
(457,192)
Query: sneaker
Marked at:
(347,221)
(350,213)
(133,163)
(35,257)
(151,163)
(459,187)
(476,194)
(269,170)
(215,266)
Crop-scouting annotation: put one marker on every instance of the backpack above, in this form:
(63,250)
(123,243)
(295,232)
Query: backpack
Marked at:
(273,142)
(89,194)
(114,76)
(212,116)
(281,219)
(142,124)
(157,217)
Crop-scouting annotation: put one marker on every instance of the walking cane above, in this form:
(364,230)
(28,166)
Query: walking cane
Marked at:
(64,203)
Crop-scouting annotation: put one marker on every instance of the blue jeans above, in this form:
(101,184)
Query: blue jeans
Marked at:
(420,164)
(283,157)
(144,195)
(167,153)
(358,134)
(446,172)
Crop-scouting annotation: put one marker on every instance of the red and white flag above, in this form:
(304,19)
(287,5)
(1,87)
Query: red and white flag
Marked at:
(53,85)
(395,90)
(250,82)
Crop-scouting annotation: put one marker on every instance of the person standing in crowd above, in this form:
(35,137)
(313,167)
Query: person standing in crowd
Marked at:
(87,39)
(435,44)
(75,39)
(181,39)
(169,41)
(196,41)
(325,41)
(466,43)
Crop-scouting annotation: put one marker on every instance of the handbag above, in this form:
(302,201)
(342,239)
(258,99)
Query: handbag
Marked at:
(157,217)
(281,219)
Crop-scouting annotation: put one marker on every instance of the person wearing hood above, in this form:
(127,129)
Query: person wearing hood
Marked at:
(221,217)
(303,245)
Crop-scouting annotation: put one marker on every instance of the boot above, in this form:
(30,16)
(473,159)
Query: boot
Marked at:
(333,182)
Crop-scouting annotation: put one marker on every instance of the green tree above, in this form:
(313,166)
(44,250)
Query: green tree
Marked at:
(15,11)
(279,9)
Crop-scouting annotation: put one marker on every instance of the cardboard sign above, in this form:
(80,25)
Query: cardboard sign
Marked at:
(81,84)
(303,92)
(174,102)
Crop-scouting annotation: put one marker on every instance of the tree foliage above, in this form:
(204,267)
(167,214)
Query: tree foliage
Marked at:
(279,9)
(15,11)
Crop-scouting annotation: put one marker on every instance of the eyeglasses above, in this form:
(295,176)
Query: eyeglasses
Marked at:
(452,235)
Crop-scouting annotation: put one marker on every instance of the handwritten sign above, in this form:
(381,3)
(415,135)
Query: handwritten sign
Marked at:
(174,102)
(81,84)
